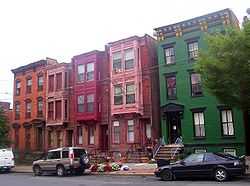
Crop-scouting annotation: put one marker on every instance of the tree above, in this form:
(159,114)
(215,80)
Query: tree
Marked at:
(225,66)
(4,129)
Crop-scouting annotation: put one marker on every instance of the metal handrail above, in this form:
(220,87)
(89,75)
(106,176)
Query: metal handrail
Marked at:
(157,147)
(177,141)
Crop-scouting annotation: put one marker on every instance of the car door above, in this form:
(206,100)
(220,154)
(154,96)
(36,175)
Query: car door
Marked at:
(210,163)
(52,160)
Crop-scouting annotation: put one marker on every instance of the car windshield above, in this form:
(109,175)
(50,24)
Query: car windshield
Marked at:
(79,152)
(194,158)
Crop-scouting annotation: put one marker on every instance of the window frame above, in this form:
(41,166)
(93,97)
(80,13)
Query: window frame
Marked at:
(79,135)
(39,112)
(194,125)
(80,74)
(51,112)
(196,52)
(17,113)
(80,104)
(40,87)
(92,104)
(167,87)
(116,134)
(227,122)
(131,129)
(130,94)
(28,111)
(115,61)
(18,88)
(128,61)
(196,84)
(120,96)
(234,149)
(92,73)
(59,81)
(29,86)
(172,57)
(91,135)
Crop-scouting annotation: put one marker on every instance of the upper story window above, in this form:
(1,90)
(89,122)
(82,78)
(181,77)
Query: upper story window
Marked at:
(129,58)
(18,87)
(117,61)
(116,132)
(51,110)
(28,109)
(227,122)
(199,124)
(193,50)
(196,87)
(90,71)
(118,95)
(40,107)
(170,55)
(80,103)
(80,72)
(171,87)
(51,83)
(17,110)
(130,93)
(58,81)
(40,82)
(28,85)
(90,103)
(66,79)
(58,110)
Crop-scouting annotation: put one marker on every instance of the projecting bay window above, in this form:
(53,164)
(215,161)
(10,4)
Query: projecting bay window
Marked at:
(90,72)
(39,107)
(199,124)
(28,109)
(171,87)
(80,103)
(196,88)
(28,85)
(227,122)
(80,72)
(18,87)
(130,132)
(17,110)
(129,59)
(40,82)
(130,93)
(118,95)
(170,55)
(117,61)
(193,50)
(90,103)
(116,132)
(50,110)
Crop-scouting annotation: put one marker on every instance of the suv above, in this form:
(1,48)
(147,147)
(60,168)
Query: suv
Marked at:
(6,159)
(63,161)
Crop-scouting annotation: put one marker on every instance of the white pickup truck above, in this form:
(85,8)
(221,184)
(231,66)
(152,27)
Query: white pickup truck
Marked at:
(6,159)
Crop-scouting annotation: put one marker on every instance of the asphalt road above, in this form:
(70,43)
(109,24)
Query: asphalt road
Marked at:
(20,179)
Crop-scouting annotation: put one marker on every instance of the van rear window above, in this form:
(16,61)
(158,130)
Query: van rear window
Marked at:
(79,152)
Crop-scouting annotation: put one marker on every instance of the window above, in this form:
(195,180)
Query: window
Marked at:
(65,79)
(28,85)
(116,132)
(170,55)
(131,133)
(230,151)
(18,87)
(27,138)
(51,83)
(40,107)
(129,59)
(193,50)
(16,131)
(210,157)
(28,109)
(59,138)
(196,84)
(58,81)
(79,134)
(199,125)
(90,71)
(65,154)
(80,103)
(80,72)
(117,61)
(17,110)
(118,95)
(90,103)
(58,110)
(130,93)
(54,155)
(227,122)
(91,136)
(148,131)
(40,83)
(65,109)
(171,87)
(197,151)
(194,158)
(50,110)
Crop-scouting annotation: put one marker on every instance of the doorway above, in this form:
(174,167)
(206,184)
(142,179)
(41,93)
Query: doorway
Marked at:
(70,138)
(104,137)
(174,122)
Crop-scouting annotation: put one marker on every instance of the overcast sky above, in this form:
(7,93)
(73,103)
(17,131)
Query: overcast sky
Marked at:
(31,30)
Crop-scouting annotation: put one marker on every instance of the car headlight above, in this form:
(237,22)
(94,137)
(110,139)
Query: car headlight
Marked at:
(236,163)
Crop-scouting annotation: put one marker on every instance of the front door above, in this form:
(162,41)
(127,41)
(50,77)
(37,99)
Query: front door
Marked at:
(174,126)
(70,138)
(104,137)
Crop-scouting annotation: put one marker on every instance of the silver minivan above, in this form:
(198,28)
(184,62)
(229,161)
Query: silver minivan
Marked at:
(62,161)
(6,159)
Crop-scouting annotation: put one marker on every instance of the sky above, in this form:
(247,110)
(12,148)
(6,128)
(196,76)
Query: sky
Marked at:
(31,30)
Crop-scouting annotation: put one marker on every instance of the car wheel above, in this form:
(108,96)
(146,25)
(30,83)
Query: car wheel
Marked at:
(60,171)
(166,175)
(37,170)
(220,174)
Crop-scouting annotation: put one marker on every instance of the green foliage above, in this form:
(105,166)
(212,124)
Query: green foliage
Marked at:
(225,66)
(4,129)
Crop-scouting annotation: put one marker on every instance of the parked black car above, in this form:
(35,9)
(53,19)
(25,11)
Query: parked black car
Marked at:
(219,166)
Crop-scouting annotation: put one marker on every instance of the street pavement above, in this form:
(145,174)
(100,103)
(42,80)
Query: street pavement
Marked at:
(27,179)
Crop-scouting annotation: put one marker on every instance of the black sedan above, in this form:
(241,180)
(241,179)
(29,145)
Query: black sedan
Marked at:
(219,166)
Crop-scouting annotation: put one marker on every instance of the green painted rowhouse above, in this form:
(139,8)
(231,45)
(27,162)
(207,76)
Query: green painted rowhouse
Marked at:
(187,110)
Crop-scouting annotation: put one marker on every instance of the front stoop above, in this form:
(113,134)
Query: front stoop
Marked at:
(169,152)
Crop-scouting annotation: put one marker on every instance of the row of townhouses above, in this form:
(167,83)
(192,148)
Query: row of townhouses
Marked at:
(128,96)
